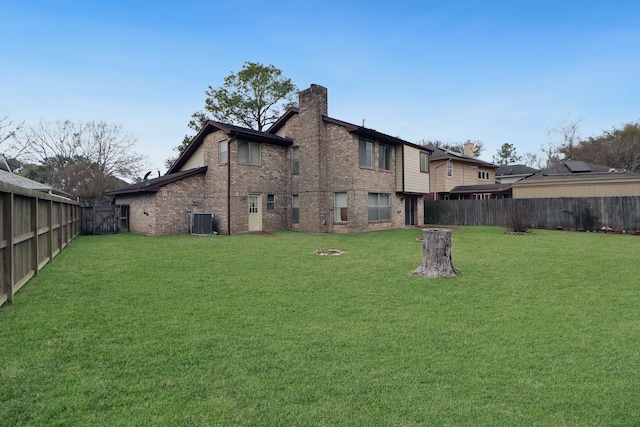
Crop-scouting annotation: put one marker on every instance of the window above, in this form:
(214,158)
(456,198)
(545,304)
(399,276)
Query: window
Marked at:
(481,196)
(249,153)
(366,153)
(384,158)
(223,152)
(483,175)
(379,207)
(340,207)
(295,160)
(254,207)
(295,209)
(449,169)
(424,162)
(271,202)
(473,165)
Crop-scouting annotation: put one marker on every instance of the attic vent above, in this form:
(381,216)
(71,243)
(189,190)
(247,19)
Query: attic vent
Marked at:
(202,223)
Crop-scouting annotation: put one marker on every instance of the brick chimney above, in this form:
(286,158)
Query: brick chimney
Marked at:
(313,100)
(469,149)
(312,105)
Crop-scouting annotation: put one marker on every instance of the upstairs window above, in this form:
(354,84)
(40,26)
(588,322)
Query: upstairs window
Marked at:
(449,169)
(295,160)
(366,154)
(483,175)
(384,158)
(249,153)
(424,161)
(379,207)
(223,152)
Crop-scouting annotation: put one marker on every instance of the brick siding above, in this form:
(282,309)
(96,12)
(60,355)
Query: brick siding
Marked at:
(329,163)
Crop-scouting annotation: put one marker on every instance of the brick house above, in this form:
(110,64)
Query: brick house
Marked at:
(308,172)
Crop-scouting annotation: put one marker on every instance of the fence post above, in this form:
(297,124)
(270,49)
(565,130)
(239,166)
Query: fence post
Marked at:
(7,278)
(50,225)
(35,243)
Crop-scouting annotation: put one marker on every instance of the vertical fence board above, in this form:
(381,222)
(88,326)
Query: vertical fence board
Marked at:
(7,226)
(619,213)
(29,226)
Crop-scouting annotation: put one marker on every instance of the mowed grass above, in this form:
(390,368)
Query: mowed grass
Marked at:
(257,330)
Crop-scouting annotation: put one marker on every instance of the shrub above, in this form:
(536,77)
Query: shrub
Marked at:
(519,217)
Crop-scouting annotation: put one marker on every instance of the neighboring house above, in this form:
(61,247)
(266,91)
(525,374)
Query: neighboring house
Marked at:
(6,175)
(578,179)
(508,174)
(308,172)
(457,176)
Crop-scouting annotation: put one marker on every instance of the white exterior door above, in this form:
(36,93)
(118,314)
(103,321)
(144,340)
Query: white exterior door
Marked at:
(255,214)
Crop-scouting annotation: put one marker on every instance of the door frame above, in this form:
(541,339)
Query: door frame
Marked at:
(410,210)
(254,209)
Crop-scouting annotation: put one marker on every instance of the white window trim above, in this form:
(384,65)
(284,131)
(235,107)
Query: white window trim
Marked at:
(449,169)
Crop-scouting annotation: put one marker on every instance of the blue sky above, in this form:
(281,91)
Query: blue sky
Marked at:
(493,71)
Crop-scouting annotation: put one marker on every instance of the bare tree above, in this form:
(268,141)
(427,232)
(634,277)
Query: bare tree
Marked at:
(563,139)
(618,148)
(8,129)
(532,160)
(82,159)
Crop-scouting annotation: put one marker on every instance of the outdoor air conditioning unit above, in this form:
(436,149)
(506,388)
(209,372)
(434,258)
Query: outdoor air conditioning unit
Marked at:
(202,223)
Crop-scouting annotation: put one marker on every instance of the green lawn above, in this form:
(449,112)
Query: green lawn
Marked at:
(256,330)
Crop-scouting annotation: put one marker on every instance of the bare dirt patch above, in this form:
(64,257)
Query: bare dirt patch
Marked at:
(329,252)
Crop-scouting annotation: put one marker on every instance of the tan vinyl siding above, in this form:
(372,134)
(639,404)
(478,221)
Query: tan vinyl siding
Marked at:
(414,180)
(590,188)
(463,174)
(195,161)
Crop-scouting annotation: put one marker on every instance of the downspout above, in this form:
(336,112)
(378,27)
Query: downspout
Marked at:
(404,186)
(229,183)
(435,175)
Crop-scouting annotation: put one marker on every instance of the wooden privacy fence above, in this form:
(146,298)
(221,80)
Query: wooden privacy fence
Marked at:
(104,219)
(35,227)
(589,213)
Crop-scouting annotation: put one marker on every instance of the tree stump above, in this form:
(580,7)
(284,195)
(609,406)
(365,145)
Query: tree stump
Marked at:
(436,254)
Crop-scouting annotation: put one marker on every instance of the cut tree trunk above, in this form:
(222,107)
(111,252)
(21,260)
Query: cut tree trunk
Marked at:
(436,254)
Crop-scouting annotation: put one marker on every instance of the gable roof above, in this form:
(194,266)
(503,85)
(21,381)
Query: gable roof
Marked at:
(515,170)
(21,181)
(573,170)
(480,188)
(232,131)
(154,185)
(369,133)
(29,184)
(351,128)
(444,154)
